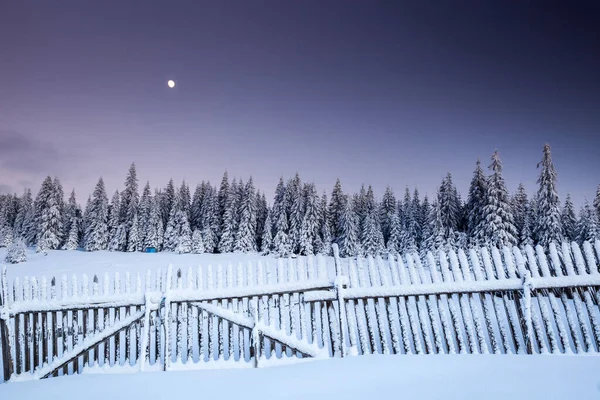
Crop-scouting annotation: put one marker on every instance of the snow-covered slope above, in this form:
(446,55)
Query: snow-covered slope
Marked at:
(385,377)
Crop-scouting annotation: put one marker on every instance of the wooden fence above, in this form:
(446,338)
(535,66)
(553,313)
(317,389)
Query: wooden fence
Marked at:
(272,312)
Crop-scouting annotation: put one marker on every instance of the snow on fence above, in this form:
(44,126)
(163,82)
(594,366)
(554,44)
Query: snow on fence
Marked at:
(261,314)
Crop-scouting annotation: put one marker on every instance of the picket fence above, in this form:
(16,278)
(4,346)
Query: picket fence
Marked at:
(272,312)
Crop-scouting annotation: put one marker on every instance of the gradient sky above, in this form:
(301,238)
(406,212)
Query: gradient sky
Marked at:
(381,92)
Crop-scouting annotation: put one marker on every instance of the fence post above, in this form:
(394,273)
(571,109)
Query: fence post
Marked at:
(341,283)
(165,317)
(256,339)
(5,341)
(527,289)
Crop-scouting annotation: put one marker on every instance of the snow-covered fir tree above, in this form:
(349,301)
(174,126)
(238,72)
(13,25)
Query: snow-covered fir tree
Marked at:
(295,206)
(197,242)
(349,239)
(325,229)
(337,205)
(70,215)
(281,242)
(96,235)
(424,221)
(499,229)
(448,206)
(267,235)
(261,217)
(60,204)
(167,201)
(409,224)
(210,221)
(154,231)
(184,194)
(371,235)
(23,220)
(72,242)
(519,205)
(196,207)
(144,215)
(309,230)
(569,220)
(178,234)
(475,204)
(134,243)
(227,241)
(117,232)
(245,237)
(548,228)
(416,227)
(588,227)
(526,233)
(387,212)
(222,199)
(597,201)
(16,252)
(130,199)
(395,238)
(438,236)
(48,216)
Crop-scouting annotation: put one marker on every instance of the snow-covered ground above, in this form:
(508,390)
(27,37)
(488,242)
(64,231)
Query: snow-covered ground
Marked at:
(384,377)
(60,262)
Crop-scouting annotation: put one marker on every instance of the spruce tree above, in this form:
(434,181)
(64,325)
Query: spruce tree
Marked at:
(222,199)
(184,195)
(519,205)
(69,215)
(210,219)
(569,220)
(295,207)
(245,239)
(196,207)
(337,206)
(72,242)
(548,228)
(144,215)
(167,201)
(387,212)
(394,240)
(416,229)
(154,231)
(134,243)
(197,243)
(309,230)
(267,235)
(261,217)
(475,204)
(60,207)
(23,218)
(227,241)
(349,240)
(48,216)
(325,230)
(281,242)
(130,199)
(96,235)
(114,213)
(597,201)
(178,235)
(499,229)
(588,227)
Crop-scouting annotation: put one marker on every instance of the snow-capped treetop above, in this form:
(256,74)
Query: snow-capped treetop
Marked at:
(548,227)
(498,229)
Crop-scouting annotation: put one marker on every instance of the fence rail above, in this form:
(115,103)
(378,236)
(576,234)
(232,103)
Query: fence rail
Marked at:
(258,314)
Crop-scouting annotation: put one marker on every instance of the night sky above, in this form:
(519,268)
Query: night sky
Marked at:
(386,93)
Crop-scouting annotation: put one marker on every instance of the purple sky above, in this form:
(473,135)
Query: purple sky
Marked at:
(367,91)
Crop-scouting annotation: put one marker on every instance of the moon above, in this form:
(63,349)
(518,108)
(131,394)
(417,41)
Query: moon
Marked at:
(171,83)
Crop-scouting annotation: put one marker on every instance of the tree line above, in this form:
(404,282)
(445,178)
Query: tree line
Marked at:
(236,217)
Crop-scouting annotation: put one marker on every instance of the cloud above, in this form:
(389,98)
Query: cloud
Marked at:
(21,153)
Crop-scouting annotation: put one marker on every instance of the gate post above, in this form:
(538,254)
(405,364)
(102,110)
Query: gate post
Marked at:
(341,283)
